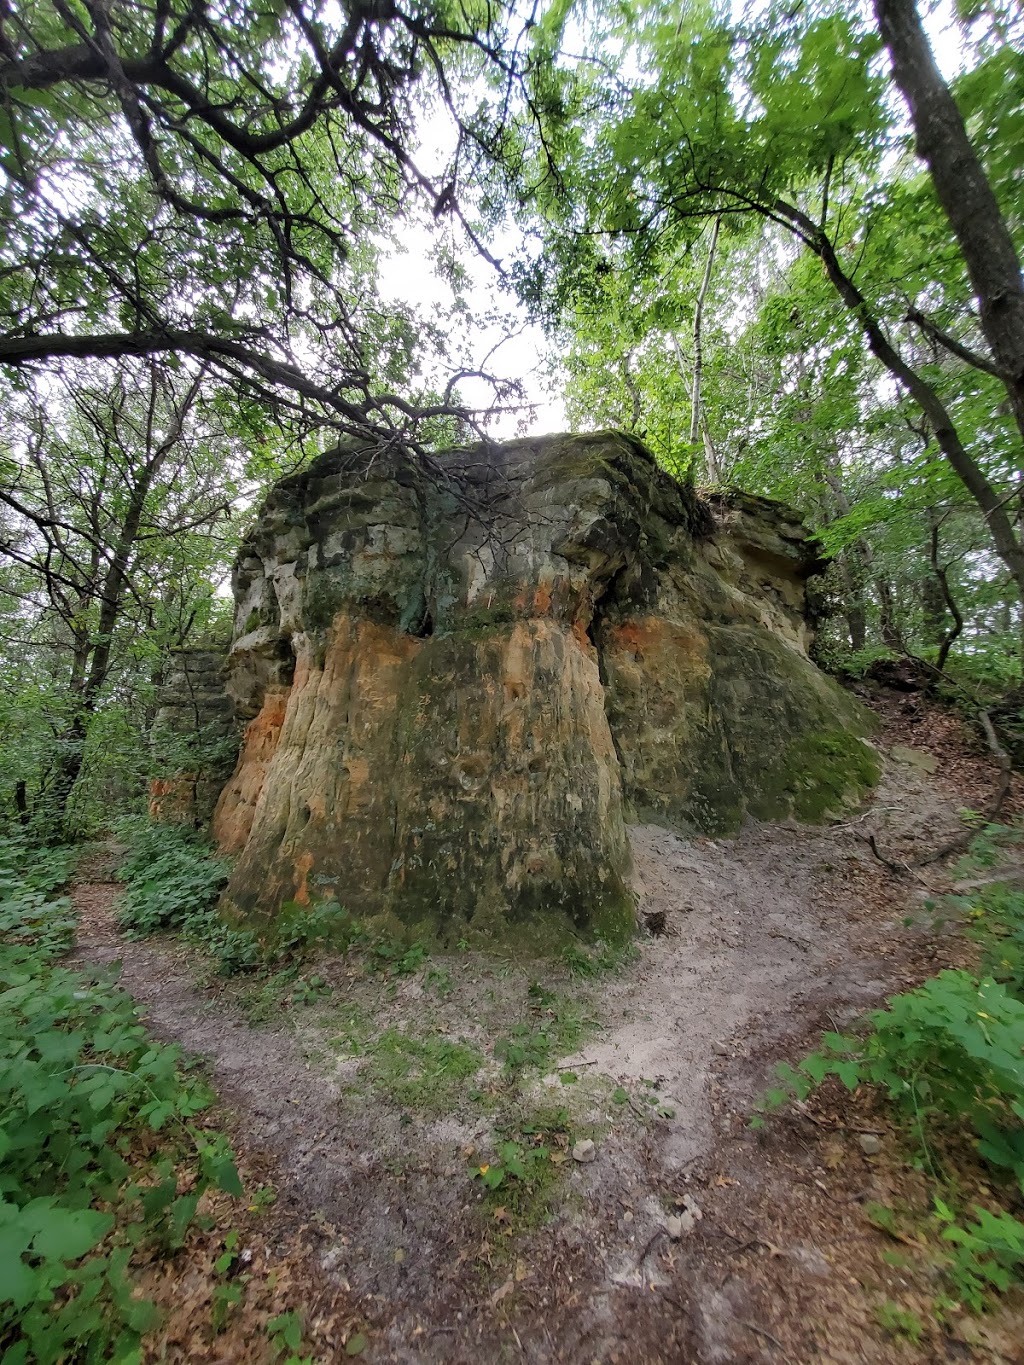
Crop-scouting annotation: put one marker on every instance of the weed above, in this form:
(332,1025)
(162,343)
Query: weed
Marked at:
(988,1252)
(950,1050)
(420,1073)
(262,1198)
(395,959)
(899,1322)
(83,1092)
(948,1057)
(439,981)
(593,959)
(555,1028)
(285,1334)
(527,1168)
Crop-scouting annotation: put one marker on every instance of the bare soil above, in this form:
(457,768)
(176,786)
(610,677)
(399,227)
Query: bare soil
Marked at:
(767,938)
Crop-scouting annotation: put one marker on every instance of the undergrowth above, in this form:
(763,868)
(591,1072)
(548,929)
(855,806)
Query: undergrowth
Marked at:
(173,880)
(948,1059)
(100,1151)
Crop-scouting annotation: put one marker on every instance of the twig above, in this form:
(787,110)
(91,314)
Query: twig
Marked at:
(761,1332)
(658,1232)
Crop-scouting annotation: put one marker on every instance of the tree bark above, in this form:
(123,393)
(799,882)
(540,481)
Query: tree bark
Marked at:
(963,190)
(696,397)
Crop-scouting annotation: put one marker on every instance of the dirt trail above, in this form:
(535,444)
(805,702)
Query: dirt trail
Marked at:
(768,936)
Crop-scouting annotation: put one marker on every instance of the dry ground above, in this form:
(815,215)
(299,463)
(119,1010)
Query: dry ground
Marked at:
(371,1108)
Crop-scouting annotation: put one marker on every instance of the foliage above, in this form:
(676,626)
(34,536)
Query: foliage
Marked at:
(842,367)
(173,883)
(949,1057)
(950,1050)
(84,1092)
(553,1028)
(217,184)
(994,911)
(171,876)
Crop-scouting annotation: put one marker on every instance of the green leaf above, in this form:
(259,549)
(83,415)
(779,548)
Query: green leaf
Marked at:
(224,1174)
(67,1234)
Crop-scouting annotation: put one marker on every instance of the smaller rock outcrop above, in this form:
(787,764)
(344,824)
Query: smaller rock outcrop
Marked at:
(194,736)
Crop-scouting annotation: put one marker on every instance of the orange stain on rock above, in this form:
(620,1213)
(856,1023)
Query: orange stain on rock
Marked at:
(303,867)
(233,817)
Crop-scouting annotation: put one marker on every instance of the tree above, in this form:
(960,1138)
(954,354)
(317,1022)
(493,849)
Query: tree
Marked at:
(214,182)
(784,121)
(966,195)
(112,493)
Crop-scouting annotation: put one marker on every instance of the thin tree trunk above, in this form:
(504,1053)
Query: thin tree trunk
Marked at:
(111,598)
(942,579)
(696,397)
(888,625)
(855,562)
(963,190)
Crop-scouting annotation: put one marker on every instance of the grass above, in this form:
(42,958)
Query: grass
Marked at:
(425,1074)
(525,1172)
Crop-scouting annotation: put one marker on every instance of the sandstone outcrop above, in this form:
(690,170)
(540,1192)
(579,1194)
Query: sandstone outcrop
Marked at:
(194,736)
(460,683)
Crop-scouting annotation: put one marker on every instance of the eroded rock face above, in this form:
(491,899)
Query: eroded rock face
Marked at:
(459,687)
(193,736)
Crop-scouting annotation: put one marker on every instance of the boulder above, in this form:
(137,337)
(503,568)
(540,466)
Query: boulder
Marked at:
(462,680)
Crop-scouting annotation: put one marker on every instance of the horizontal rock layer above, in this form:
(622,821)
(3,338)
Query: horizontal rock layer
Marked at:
(460,683)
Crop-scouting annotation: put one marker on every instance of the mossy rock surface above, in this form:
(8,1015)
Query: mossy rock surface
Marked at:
(494,666)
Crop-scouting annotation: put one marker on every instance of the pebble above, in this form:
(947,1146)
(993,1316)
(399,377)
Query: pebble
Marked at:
(869,1144)
(681,1226)
(584,1150)
(721,1050)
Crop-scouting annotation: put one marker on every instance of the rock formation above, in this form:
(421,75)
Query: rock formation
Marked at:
(461,683)
(193,736)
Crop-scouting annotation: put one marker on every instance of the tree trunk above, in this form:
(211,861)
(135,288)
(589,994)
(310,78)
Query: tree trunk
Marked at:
(963,190)
(696,397)
(855,562)
(888,624)
(941,579)
(993,507)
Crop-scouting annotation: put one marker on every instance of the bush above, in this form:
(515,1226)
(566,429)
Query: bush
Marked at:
(173,882)
(949,1057)
(172,876)
(951,1050)
(83,1091)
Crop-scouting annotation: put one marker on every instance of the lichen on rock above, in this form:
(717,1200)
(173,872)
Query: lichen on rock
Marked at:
(461,682)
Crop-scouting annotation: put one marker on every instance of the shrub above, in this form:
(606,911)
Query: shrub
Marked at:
(81,1086)
(949,1050)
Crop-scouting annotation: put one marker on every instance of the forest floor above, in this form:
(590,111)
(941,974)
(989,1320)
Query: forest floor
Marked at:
(370,1113)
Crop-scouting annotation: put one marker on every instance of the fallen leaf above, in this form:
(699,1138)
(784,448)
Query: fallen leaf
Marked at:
(501,1293)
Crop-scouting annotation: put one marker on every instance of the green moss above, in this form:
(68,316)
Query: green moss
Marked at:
(820,775)
(483,619)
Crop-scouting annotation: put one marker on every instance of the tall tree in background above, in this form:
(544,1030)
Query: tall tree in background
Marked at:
(965,193)
(110,488)
(784,121)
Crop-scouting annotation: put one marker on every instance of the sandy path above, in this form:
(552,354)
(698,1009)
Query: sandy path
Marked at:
(766,936)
